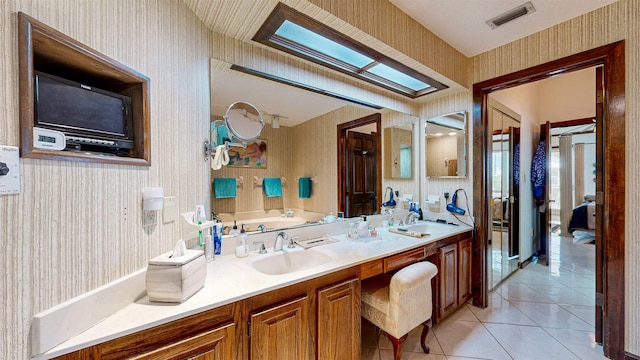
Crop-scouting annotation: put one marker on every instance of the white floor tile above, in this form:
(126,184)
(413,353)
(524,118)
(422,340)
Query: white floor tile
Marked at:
(529,342)
(464,314)
(551,315)
(522,292)
(563,295)
(586,313)
(501,311)
(581,343)
(408,355)
(468,339)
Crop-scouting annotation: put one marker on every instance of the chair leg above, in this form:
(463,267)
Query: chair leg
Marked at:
(397,345)
(423,338)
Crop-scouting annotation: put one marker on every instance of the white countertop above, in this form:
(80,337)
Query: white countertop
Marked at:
(230,279)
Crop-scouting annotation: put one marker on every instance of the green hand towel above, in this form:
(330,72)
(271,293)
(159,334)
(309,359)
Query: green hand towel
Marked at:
(224,188)
(272,187)
(304,188)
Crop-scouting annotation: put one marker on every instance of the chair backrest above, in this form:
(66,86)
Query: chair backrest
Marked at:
(410,295)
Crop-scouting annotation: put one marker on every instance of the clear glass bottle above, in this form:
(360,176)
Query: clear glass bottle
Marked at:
(208,247)
(352,234)
(241,244)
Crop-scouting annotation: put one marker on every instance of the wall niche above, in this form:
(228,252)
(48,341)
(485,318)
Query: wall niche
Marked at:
(42,49)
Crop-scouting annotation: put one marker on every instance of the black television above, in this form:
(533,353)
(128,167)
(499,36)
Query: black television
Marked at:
(92,119)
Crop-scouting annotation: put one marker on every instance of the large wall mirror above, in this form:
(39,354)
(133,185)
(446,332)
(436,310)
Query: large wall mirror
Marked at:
(301,142)
(398,145)
(446,145)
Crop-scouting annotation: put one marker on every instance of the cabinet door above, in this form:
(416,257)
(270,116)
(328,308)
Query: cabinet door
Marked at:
(217,344)
(280,332)
(448,279)
(339,321)
(464,271)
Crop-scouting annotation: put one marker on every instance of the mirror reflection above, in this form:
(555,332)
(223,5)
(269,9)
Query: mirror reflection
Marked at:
(398,162)
(302,147)
(505,192)
(446,145)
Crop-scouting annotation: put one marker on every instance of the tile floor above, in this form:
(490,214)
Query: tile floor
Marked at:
(538,313)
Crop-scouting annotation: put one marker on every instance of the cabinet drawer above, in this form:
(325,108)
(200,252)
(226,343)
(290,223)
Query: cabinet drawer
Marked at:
(404,259)
(371,269)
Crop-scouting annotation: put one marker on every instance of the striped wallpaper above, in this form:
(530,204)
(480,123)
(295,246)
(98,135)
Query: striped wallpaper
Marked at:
(77,226)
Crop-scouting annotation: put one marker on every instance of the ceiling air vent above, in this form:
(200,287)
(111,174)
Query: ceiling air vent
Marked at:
(522,10)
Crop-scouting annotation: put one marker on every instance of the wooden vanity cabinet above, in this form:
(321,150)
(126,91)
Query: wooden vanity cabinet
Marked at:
(314,319)
(464,270)
(339,321)
(208,335)
(281,331)
(454,275)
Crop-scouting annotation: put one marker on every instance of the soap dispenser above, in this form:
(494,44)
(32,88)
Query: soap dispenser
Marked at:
(241,244)
(234,231)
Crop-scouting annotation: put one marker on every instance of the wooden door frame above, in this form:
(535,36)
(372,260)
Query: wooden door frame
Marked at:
(612,58)
(342,156)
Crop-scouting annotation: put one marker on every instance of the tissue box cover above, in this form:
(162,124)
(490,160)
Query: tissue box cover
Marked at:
(175,279)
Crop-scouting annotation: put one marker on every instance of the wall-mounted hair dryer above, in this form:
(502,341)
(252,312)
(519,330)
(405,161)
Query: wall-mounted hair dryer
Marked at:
(453,207)
(391,202)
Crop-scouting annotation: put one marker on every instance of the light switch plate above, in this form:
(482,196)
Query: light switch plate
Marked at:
(9,170)
(169,211)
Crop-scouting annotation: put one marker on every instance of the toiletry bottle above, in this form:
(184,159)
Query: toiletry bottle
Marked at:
(208,247)
(234,231)
(241,244)
(217,238)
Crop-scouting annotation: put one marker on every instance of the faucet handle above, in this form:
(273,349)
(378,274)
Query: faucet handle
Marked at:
(291,244)
(263,249)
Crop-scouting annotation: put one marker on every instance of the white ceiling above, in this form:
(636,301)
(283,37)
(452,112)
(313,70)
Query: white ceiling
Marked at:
(462,23)
(294,105)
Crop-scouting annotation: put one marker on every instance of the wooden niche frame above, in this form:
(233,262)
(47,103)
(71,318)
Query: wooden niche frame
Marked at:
(42,48)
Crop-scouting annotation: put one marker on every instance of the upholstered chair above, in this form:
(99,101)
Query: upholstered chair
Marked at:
(400,302)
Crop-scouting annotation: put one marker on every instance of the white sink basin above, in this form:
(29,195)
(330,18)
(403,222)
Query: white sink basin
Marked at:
(285,262)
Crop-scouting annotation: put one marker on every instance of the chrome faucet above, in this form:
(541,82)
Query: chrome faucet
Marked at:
(277,246)
(262,228)
(411,218)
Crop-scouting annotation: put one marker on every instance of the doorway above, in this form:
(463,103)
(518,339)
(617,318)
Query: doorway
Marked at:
(611,242)
(360,166)
(573,177)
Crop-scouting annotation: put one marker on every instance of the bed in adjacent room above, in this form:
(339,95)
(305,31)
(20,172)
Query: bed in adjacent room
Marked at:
(583,221)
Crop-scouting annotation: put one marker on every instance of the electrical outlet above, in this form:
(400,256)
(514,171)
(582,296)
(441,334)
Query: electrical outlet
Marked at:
(446,195)
(148,218)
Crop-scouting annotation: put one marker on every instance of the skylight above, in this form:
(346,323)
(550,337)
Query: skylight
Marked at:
(300,35)
(321,44)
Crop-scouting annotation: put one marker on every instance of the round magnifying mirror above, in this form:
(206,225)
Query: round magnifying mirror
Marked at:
(244,121)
